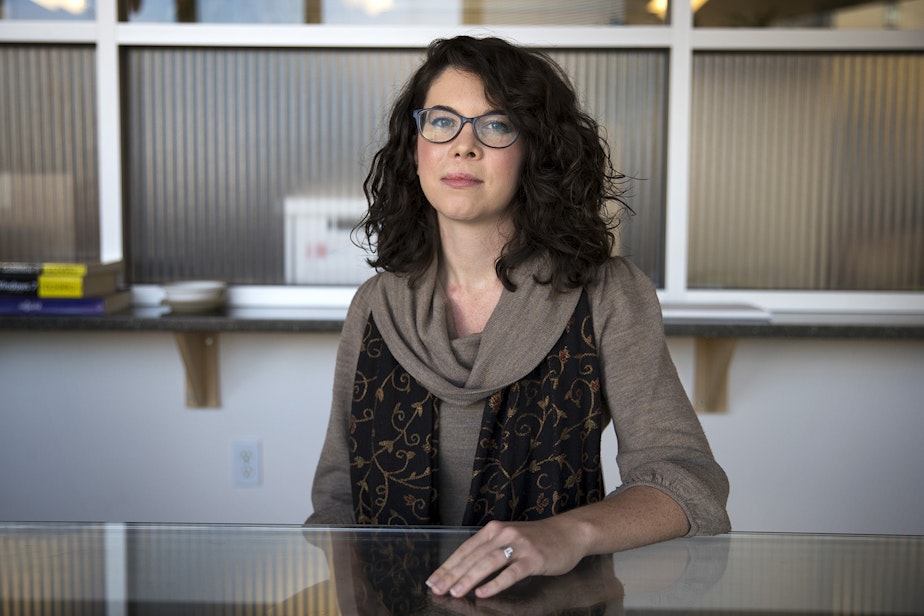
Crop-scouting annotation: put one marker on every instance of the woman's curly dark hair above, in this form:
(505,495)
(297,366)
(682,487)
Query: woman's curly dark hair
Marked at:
(569,200)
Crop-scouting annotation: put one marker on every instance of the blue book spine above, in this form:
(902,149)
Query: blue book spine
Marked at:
(77,306)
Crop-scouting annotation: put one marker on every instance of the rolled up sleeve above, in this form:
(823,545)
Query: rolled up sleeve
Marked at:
(661,441)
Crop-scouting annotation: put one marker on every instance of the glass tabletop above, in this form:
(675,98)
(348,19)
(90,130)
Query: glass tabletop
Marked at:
(143,569)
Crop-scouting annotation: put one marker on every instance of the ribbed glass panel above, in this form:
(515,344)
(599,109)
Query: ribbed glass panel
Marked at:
(626,91)
(806,171)
(247,165)
(49,197)
(222,141)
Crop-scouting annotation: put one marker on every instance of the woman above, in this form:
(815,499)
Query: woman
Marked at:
(478,368)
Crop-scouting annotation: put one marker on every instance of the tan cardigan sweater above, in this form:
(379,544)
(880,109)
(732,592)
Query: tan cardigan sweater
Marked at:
(661,442)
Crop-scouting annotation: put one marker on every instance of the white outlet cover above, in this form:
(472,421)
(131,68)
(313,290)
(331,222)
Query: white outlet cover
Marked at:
(246,462)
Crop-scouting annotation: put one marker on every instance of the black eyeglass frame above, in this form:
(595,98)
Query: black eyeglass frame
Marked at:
(464,120)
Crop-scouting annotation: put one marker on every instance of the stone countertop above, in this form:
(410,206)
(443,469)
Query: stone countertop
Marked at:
(314,320)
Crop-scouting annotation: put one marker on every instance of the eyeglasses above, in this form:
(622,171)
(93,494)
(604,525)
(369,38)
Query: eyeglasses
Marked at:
(494,129)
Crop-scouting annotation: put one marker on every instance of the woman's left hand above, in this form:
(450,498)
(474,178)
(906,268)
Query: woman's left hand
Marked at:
(516,550)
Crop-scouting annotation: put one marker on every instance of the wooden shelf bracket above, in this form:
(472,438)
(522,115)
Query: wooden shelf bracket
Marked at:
(712,360)
(199,351)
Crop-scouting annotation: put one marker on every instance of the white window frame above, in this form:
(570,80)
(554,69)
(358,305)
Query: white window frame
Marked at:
(681,40)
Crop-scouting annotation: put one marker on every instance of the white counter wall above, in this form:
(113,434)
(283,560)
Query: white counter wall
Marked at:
(821,436)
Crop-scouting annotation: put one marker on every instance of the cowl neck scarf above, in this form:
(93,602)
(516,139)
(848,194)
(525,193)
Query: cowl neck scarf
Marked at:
(415,324)
(538,451)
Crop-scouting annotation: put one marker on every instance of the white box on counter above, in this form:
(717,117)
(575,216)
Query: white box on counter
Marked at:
(319,247)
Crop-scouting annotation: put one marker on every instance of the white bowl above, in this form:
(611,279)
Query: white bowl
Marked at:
(194,295)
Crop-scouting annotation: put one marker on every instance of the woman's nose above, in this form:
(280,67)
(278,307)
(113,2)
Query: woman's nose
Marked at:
(466,143)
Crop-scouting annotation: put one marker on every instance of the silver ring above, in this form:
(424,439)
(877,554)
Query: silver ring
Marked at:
(508,552)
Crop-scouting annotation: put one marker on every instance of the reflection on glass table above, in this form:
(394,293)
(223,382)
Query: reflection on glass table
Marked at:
(287,570)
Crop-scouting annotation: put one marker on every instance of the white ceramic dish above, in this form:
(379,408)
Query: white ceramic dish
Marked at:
(195,295)
(192,306)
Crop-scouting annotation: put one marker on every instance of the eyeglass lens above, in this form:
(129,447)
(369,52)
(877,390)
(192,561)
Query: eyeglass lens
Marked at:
(494,130)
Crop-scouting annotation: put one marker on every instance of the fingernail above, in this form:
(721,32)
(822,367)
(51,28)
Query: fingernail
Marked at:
(456,591)
(432,585)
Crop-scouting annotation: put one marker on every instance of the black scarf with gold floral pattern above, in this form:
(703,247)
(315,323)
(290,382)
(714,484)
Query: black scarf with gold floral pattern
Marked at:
(538,453)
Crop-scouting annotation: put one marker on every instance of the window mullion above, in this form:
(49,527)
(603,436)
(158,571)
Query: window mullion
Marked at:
(678,152)
(108,127)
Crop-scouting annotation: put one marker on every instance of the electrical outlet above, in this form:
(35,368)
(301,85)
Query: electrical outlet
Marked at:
(246,462)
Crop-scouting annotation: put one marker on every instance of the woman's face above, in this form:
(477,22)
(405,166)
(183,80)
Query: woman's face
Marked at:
(464,180)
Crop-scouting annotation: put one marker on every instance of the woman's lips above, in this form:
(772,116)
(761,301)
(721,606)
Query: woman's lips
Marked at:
(461,180)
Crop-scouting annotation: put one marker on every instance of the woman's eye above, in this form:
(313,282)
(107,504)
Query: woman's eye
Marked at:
(499,126)
(443,123)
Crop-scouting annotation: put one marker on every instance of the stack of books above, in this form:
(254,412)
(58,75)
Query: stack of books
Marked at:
(62,288)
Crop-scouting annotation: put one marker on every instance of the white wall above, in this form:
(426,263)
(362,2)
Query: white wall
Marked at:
(95,427)
(821,435)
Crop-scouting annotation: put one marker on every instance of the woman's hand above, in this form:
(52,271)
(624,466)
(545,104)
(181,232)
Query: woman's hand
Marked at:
(635,517)
(516,550)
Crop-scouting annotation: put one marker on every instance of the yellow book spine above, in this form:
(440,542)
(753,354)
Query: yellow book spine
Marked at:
(60,286)
(64,269)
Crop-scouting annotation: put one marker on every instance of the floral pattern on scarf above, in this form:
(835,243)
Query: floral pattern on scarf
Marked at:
(538,453)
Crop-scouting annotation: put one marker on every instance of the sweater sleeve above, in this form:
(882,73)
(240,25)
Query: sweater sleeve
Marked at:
(331,496)
(660,439)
